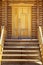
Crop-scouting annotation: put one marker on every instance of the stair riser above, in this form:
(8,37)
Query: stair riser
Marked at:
(21,52)
(20,42)
(21,45)
(19,63)
(21,48)
(20,57)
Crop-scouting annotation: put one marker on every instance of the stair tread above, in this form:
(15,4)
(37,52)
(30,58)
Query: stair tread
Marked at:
(29,60)
(21,47)
(25,42)
(21,50)
(20,54)
(21,40)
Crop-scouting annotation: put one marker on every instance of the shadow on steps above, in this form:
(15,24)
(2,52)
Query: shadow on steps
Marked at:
(20,63)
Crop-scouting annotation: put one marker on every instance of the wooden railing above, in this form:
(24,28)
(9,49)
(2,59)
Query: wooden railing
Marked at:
(2,39)
(40,37)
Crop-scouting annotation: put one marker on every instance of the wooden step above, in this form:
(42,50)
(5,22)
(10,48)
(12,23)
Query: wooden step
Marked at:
(22,40)
(21,63)
(19,56)
(21,47)
(22,60)
(21,44)
(21,51)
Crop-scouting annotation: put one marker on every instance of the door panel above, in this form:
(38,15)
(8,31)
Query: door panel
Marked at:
(21,22)
(14,22)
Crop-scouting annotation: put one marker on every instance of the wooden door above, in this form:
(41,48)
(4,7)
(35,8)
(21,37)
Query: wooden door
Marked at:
(21,22)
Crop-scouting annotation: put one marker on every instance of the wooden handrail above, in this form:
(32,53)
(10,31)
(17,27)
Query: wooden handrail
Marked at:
(2,39)
(40,37)
(3,34)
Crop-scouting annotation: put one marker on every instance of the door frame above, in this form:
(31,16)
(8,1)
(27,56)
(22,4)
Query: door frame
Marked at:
(23,5)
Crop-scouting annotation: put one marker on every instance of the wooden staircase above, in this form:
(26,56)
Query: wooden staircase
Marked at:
(21,52)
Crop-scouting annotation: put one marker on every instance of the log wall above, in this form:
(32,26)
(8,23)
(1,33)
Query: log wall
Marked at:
(37,16)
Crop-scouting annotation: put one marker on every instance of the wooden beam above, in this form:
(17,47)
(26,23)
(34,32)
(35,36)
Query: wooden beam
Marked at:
(21,5)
